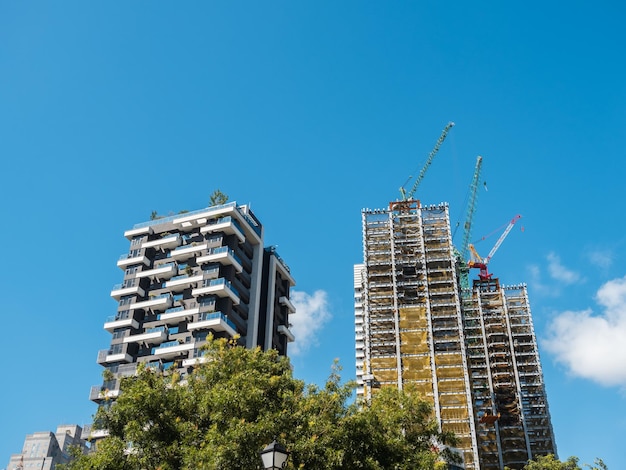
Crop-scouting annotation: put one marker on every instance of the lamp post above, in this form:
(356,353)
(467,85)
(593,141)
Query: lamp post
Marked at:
(274,456)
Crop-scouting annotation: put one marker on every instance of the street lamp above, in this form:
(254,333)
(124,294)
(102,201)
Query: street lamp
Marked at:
(274,456)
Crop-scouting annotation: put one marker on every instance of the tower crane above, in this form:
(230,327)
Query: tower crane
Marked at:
(407,196)
(481,263)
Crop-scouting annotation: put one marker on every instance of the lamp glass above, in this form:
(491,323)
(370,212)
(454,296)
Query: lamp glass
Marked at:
(274,456)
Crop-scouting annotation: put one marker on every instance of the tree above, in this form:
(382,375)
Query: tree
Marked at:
(218,198)
(231,406)
(550,462)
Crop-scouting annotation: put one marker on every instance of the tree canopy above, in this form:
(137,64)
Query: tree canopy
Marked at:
(550,462)
(238,400)
(217,198)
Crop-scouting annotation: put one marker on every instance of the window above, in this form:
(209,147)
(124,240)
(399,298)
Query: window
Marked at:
(119,334)
(131,270)
(122,315)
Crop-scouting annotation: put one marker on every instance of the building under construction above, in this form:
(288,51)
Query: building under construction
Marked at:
(470,350)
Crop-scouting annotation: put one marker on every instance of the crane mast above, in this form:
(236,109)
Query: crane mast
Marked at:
(408,196)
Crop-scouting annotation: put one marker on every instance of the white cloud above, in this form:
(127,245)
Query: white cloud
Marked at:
(559,272)
(542,284)
(594,346)
(535,280)
(601,258)
(310,317)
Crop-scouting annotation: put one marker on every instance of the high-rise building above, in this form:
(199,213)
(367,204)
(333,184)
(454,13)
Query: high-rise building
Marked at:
(186,277)
(471,352)
(44,450)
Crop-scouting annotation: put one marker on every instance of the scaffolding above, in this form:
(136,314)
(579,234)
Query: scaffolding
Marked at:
(473,356)
(409,320)
(510,403)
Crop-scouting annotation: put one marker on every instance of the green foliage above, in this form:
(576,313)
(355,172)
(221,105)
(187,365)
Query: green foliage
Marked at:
(218,198)
(230,407)
(550,462)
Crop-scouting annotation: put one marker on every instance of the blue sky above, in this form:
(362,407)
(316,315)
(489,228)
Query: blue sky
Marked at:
(311,111)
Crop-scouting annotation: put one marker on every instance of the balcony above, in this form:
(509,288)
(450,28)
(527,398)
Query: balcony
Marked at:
(164,271)
(106,356)
(196,358)
(114,322)
(127,370)
(168,242)
(151,336)
(98,394)
(120,291)
(128,260)
(156,366)
(95,434)
(226,225)
(215,321)
(138,231)
(172,349)
(160,302)
(283,330)
(219,287)
(179,283)
(176,314)
(200,216)
(283,300)
(222,255)
(215,241)
(207,303)
(211,272)
(187,251)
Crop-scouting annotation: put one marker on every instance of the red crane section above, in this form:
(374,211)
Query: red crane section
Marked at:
(481,263)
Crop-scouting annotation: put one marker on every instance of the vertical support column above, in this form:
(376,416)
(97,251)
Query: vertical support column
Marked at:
(486,341)
(396,312)
(517,376)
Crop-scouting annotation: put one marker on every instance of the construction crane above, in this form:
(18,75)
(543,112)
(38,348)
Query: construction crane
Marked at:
(408,196)
(471,208)
(481,263)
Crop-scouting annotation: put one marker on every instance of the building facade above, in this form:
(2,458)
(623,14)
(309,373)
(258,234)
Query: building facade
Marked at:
(44,450)
(189,276)
(471,352)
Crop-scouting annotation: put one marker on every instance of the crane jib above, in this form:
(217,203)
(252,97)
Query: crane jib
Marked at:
(408,196)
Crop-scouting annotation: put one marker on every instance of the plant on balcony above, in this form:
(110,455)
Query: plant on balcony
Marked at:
(188,270)
(218,198)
